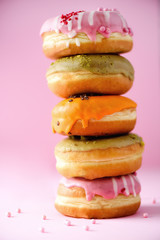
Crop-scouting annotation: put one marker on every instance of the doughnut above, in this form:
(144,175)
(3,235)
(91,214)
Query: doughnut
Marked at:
(98,73)
(94,116)
(81,32)
(99,198)
(92,158)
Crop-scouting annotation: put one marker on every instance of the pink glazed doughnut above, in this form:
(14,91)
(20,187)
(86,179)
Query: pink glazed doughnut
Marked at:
(98,198)
(81,32)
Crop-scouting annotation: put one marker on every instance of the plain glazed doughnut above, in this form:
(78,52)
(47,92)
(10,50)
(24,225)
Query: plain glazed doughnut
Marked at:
(102,31)
(99,198)
(99,74)
(94,116)
(99,157)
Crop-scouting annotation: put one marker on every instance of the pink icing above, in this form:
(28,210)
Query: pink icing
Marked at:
(106,187)
(104,21)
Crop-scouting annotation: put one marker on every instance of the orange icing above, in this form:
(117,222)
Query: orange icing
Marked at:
(65,113)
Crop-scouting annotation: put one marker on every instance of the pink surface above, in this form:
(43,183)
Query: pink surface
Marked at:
(28,179)
(36,199)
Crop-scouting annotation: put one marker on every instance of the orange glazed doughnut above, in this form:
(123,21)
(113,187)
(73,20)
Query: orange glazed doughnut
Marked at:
(92,157)
(98,73)
(99,198)
(101,31)
(94,116)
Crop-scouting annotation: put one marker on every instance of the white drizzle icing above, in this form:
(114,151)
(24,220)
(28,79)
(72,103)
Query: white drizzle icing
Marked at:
(72,34)
(90,18)
(67,43)
(135,178)
(125,185)
(123,21)
(133,185)
(80,15)
(56,24)
(78,42)
(115,187)
(107,16)
(70,25)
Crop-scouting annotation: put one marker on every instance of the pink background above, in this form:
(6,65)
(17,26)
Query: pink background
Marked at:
(28,178)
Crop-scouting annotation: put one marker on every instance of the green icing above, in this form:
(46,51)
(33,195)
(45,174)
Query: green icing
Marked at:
(98,64)
(88,144)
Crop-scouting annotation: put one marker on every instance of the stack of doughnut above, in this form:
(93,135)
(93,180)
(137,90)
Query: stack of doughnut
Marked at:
(99,157)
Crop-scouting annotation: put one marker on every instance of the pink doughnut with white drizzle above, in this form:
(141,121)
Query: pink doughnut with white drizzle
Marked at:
(108,188)
(99,198)
(90,28)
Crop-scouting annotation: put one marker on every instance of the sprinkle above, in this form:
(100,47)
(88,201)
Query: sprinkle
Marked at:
(154,201)
(102,29)
(145,215)
(9,214)
(100,9)
(93,221)
(19,210)
(68,223)
(108,30)
(58,123)
(42,229)
(125,30)
(44,217)
(86,228)
(84,97)
(68,17)
(70,100)
(122,190)
(130,31)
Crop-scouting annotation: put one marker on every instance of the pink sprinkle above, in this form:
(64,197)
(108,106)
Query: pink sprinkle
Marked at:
(102,29)
(44,217)
(106,9)
(125,30)
(19,210)
(108,30)
(42,230)
(86,228)
(131,33)
(100,9)
(154,201)
(68,223)
(93,221)
(145,215)
(9,214)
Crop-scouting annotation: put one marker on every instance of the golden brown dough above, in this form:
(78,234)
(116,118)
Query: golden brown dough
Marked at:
(72,202)
(96,73)
(96,162)
(55,45)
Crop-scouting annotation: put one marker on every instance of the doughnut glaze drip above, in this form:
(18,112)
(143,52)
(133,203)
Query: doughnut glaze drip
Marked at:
(108,188)
(68,111)
(104,21)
